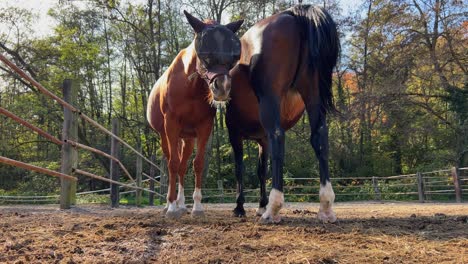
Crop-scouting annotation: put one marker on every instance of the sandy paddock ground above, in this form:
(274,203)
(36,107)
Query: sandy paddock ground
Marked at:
(364,233)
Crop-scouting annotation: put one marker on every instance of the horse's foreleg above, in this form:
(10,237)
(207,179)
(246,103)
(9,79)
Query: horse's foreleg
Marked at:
(270,119)
(203,134)
(237,147)
(319,141)
(172,129)
(261,173)
(186,151)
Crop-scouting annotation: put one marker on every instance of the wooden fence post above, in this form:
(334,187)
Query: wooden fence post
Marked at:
(163,179)
(69,154)
(139,170)
(420,187)
(114,167)
(151,185)
(456,185)
(377,194)
(221,190)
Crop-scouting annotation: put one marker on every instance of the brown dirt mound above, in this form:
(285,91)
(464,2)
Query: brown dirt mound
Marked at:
(364,233)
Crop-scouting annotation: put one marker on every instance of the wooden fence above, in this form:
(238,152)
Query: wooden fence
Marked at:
(70,146)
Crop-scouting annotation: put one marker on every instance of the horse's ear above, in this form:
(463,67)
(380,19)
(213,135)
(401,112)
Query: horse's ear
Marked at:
(196,24)
(234,26)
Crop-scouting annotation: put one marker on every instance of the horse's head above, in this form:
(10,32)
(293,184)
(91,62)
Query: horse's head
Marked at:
(218,50)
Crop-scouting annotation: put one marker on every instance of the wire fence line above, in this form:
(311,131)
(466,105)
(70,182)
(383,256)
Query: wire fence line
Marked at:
(400,187)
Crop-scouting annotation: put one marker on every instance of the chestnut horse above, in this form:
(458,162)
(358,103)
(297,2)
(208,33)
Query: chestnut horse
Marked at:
(180,106)
(285,68)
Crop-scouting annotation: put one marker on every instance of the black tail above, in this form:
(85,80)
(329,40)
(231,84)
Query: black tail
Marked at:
(321,37)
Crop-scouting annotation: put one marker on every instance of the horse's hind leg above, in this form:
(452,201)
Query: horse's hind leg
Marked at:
(261,173)
(270,120)
(319,141)
(185,152)
(237,147)
(203,134)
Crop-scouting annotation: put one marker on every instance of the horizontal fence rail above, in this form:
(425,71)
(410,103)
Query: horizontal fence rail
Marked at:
(68,189)
(42,89)
(35,168)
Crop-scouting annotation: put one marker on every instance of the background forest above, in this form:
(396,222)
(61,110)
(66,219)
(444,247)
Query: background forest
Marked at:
(401,86)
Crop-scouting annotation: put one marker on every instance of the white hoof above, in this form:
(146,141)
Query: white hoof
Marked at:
(327,217)
(197,210)
(182,210)
(174,214)
(275,203)
(327,197)
(198,214)
(172,211)
(270,219)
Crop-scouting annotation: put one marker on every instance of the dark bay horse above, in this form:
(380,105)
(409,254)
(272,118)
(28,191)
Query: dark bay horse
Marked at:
(180,106)
(285,68)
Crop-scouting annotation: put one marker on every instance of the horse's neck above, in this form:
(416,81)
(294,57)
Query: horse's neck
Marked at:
(189,59)
(194,84)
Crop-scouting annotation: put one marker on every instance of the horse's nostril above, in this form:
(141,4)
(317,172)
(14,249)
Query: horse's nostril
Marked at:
(217,83)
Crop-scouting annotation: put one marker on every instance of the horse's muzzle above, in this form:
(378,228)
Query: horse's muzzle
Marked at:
(221,87)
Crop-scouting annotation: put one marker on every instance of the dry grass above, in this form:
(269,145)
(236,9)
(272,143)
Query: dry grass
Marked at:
(365,233)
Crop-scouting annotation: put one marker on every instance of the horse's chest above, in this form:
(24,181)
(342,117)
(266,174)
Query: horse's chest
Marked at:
(194,114)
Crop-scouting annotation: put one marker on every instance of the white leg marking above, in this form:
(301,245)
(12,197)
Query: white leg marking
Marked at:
(172,206)
(181,197)
(275,202)
(197,196)
(327,197)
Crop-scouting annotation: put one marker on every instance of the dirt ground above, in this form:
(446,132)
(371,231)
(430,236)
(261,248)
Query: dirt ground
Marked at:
(364,233)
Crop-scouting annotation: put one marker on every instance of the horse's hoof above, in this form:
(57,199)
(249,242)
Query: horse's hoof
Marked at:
(327,217)
(198,214)
(270,220)
(260,211)
(182,210)
(239,212)
(173,214)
